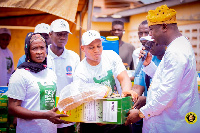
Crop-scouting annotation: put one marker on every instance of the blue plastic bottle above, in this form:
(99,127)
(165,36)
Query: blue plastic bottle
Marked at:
(111,43)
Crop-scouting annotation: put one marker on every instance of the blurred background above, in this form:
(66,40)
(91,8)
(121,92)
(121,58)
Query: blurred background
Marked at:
(21,16)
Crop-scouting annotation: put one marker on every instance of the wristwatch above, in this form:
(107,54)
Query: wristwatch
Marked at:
(141,115)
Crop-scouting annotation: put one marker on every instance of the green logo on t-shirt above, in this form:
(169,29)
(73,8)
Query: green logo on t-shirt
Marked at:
(9,63)
(108,81)
(47,96)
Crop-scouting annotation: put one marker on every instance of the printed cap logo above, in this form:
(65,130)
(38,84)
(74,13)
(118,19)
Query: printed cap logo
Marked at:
(191,118)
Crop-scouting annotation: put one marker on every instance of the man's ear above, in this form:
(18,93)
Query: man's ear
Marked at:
(50,34)
(111,32)
(82,48)
(164,26)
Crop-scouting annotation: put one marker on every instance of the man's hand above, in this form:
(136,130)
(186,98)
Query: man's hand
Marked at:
(148,58)
(131,93)
(140,102)
(133,116)
(54,117)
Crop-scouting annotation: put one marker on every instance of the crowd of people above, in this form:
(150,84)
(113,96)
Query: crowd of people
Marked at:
(164,92)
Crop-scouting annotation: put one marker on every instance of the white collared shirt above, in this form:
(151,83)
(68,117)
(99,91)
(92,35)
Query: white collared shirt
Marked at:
(64,66)
(173,91)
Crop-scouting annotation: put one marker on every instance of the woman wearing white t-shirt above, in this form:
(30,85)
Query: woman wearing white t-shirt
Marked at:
(32,90)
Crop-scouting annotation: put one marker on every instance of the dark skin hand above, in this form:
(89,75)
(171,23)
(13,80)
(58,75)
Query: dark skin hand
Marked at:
(138,89)
(148,59)
(55,118)
(131,93)
(133,117)
(15,109)
(15,121)
(140,102)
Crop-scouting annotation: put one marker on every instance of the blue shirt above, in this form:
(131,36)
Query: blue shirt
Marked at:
(140,79)
(21,60)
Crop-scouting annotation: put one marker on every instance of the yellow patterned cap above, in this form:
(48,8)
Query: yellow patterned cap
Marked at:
(160,15)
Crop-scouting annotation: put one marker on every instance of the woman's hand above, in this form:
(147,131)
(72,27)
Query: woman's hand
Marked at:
(15,109)
(54,117)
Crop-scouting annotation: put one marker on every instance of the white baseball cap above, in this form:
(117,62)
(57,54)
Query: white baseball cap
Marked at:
(59,25)
(42,28)
(147,38)
(90,36)
(5,31)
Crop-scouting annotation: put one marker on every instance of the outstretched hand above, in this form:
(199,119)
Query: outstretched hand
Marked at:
(140,102)
(131,93)
(133,117)
(54,117)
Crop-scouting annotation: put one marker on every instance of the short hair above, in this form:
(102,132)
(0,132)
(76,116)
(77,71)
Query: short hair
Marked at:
(144,22)
(118,22)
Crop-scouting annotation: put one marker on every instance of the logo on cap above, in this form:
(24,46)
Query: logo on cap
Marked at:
(90,34)
(63,25)
(42,28)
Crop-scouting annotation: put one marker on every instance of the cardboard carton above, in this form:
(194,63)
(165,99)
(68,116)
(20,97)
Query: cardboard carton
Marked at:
(107,111)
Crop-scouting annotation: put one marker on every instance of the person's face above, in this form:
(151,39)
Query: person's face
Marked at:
(47,38)
(156,49)
(117,30)
(59,39)
(4,40)
(38,51)
(191,118)
(143,30)
(93,52)
(157,34)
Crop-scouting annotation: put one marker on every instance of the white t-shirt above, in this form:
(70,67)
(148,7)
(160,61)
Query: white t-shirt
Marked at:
(6,66)
(135,56)
(64,67)
(37,92)
(105,72)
